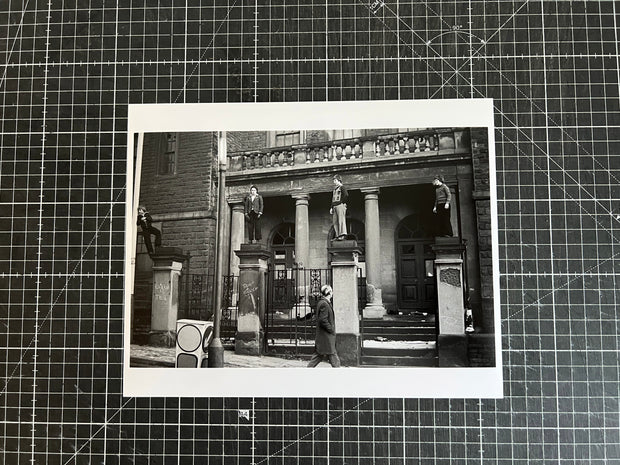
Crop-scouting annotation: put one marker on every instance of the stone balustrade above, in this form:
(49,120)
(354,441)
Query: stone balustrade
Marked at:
(427,142)
(397,144)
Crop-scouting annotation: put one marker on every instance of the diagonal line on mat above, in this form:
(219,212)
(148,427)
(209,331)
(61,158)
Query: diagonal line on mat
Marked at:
(103,426)
(326,425)
(205,51)
(8,58)
(60,293)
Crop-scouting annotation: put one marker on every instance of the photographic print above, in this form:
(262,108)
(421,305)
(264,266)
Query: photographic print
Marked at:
(366,247)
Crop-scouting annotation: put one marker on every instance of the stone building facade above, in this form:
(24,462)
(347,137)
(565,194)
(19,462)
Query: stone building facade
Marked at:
(388,173)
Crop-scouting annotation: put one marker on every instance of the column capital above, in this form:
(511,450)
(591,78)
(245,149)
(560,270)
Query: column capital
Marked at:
(235,201)
(368,191)
(301,198)
(237,207)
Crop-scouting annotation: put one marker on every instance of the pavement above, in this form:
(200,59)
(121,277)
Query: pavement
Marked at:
(148,356)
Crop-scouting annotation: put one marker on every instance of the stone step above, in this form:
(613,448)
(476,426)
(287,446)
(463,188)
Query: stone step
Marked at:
(368,360)
(416,353)
(414,336)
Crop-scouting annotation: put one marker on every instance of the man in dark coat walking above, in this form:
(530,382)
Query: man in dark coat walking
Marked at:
(325,340)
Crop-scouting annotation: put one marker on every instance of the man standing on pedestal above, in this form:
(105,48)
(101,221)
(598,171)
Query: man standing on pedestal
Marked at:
(253,211)
(325,340)
(443,197)
(338,209)
(145,222)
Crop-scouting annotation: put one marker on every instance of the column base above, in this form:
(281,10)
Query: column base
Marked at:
(249,343)
(164,338)
(348,349)
(301,311)
(452,350)
(374,311)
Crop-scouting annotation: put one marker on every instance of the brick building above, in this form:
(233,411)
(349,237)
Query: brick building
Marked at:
(388,173)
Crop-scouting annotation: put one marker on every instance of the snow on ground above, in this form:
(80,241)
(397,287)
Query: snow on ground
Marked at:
(387,344)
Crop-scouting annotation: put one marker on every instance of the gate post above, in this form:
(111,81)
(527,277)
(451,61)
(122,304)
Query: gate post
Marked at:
(167,265)
(253,260)
(345,300)
(451,341)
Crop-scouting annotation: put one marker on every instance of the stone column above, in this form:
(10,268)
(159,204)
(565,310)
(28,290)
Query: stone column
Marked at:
(345,301)
(452,343)
(253,261)
(374,307)
(167,265)
(237,235)
(302,251)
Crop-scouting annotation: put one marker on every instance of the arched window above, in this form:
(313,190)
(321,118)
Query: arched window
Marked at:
(412,227)
(283,245)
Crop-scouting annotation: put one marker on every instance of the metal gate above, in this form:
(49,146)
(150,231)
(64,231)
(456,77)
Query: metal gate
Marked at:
(292,295)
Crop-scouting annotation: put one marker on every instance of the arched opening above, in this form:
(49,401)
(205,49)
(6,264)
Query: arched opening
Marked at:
(415,265)
(282,244)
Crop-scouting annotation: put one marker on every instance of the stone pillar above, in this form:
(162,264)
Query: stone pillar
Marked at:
(452,343)
(345,301)
(302,251)
(167,265)
(374,307)
(253,261)
(237,235)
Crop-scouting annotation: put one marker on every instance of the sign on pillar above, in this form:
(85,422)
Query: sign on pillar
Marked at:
(452,342)
(167,266)
(253,261)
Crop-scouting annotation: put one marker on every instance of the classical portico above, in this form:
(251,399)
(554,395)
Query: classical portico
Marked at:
(390,193)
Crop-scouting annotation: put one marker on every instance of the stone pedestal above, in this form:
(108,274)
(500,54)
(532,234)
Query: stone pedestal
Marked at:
(253,261)
(452,343)
(167,265)
(374,306)
(345,300)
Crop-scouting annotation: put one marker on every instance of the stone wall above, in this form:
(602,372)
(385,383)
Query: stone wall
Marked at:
(183,204)
(483,317)
(243,141)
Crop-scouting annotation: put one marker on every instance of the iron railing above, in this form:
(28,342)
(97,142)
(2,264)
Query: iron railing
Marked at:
(292,295)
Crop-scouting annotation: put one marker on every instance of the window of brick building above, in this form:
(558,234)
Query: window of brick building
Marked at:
(282,138)
(168,158)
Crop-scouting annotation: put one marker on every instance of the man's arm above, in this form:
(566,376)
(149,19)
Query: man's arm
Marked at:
(323,318)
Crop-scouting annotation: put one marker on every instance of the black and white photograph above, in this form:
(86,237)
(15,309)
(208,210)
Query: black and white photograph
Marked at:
(301,248)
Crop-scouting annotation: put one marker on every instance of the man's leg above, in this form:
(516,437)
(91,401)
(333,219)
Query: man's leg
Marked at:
(341,211)
(157,233)
(250,223)
(257,234)
(334,360)
(446,224)
(147,241)
(315,360)
(335,223)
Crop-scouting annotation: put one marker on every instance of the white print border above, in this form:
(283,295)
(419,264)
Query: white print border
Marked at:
(397,382)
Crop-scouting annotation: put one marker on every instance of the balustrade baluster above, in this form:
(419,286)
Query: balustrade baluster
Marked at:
(422,144)
(357,150)
(406,144)
(433,142)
